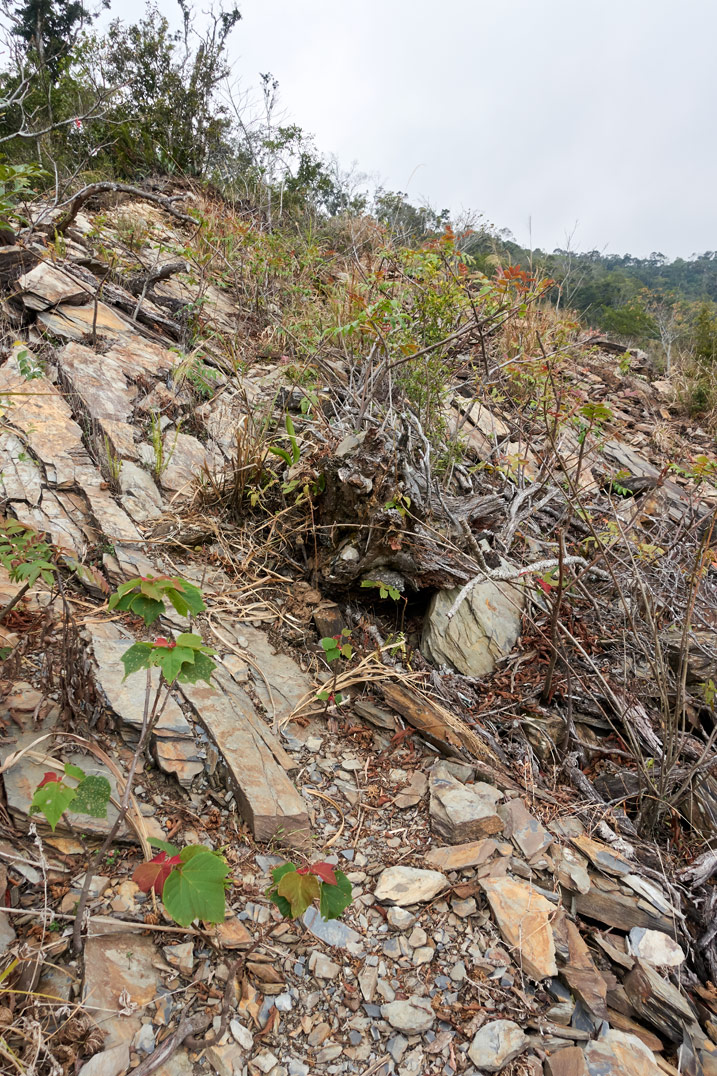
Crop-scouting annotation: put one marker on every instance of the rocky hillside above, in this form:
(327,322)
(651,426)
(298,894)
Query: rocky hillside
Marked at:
(507,529)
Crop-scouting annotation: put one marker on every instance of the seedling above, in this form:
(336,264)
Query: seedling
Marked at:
(335,648)
(294,889)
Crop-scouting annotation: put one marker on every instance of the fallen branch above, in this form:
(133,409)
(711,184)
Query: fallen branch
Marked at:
(507,573)
(75,204)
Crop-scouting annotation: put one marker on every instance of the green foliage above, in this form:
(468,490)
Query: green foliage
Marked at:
(53,796)
(195,889)
(15,184)
(294,889)
(185,659)
(25,555)
(385,590)
(337,646)
(293,455)
(146,597)
(47,27)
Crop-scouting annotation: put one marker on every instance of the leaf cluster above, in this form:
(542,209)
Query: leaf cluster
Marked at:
(53,796)
(191,882)
(25,555)
(146,597)
(185,659)
(294,889)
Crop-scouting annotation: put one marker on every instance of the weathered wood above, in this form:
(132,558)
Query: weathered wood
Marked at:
(661,1004)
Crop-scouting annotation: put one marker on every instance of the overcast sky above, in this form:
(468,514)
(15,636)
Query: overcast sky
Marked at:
(594,118)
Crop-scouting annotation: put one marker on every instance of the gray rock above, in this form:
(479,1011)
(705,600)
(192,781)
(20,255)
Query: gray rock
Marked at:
(497,1044)
(145,1039)
(525,830)
(417,937)
(181,957)
(367,980)
(462,813)
(322,967)
(332,931)
(112,1062)
(409,885)
(397,1047)
(423,955)
(412,1015)
(241,1034)
(484,629)
(400,918)
(265,1061)
(654,947)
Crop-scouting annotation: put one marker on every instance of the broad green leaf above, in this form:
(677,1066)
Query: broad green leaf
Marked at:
(122,589)
(150,589)
(74,771)
(202,669)
(171,660)
(329,643)
(147,608)
(195,890)
(93,795)
(123,603)
(335,898)
(52,800)
(137,657)
(164,846)
(177,601)
(300,890)
(281,902)
(192,596)
(189,638)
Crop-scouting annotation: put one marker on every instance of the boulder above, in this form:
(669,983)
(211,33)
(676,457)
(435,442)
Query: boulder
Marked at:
(483,630)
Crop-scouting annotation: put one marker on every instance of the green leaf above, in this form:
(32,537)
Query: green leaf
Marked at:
(122,589)
(300,890)
(177,601)
(147,608)
(195,890)
(335,898)
(281,902)
(74,771)
(52,800)
(202,669)
(172,659)
(192,596)
(189,638)
(92,796)
(329,643)
(139,656)
(164,846)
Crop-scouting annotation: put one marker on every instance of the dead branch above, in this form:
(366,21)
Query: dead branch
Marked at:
(75,204)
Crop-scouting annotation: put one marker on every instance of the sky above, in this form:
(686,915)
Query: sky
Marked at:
(581,122)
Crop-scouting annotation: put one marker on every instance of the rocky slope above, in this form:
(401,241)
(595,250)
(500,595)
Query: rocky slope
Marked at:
(488,786)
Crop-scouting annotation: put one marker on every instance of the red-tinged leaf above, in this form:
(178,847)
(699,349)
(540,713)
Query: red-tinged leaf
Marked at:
(300,890)
(324,871)
(545,587)
(48,778)
(154,874)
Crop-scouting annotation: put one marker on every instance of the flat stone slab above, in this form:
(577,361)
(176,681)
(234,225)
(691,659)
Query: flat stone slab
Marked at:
(117,964)
(524,919)
(267,798)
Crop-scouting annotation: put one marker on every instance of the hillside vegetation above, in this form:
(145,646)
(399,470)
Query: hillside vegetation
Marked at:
(336,533)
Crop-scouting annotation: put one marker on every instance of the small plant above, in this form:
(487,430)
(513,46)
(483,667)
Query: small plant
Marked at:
(162,453)
(146,597)
(114,462)
(293,455)
(30,367)
(53,796)
(335,647)
(191,882)
(15,180)
(25,555)
(385,590)
(294,889)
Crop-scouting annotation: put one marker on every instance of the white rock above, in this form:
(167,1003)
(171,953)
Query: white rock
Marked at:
(114,1062)
(322,967)
(241,1034)
(496,1045)
(400,918)
(656,948)
(409,885)
(412,1015)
